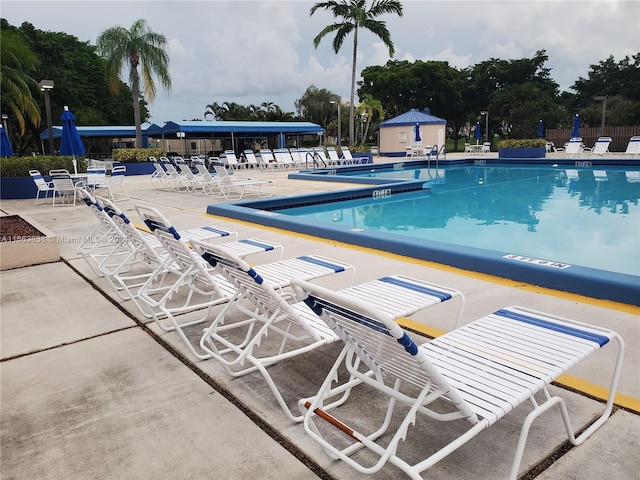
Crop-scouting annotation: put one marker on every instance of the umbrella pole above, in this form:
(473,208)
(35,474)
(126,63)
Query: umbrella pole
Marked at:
(75,165)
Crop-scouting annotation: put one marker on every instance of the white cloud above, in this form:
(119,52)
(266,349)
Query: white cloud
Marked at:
(256,51)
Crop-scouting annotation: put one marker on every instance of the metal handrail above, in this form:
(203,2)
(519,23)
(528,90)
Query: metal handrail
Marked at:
(314,156)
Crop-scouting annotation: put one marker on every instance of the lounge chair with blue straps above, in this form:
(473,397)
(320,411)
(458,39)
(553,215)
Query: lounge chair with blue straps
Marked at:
(473,375)
(183,289)
(259,327)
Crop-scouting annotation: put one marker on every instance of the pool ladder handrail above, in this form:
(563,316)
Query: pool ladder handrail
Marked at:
(314,156)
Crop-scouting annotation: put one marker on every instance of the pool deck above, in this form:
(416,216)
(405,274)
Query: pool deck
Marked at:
(90,389)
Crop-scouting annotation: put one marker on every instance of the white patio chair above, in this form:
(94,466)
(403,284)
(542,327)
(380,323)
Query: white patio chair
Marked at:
(182,290)
(473,375)
(259,328)
(116,180)
(283,158)
(64,190)
(42,186)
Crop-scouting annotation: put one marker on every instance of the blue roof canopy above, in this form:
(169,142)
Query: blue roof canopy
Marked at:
(101,131)
(193,128)
(412,117)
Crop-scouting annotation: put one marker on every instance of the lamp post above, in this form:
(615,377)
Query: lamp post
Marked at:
(339,118)
(604,110)
(45,86)
(363,120)
(486,124)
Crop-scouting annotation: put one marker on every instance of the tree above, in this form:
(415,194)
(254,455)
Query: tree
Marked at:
(138,47)
(315,105)
(370,110)
(354,15)
(401,86)
(619,82)
(18,61)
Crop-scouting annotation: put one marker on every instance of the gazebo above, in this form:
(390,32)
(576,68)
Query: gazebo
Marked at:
(398,133)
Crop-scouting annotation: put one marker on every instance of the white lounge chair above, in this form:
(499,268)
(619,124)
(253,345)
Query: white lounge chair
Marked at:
(633,147)
(334,158)
(231,161)
(184,288)
(104,245)
(267,159)
(283,158)
(144,253)
(41,185)
(252,161)
(234,188)
(320,158)
(601,147)
(348,159)
(473,376)
(574,147)
(265,329)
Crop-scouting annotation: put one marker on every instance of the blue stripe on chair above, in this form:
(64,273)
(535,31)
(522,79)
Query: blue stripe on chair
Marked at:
(350,314)
(418,288)
(222,233)
(154,225)
(576,332)
(322,263)
(264,246)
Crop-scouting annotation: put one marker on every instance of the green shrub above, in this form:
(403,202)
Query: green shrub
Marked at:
(523,143)
(132,155)
(20,166)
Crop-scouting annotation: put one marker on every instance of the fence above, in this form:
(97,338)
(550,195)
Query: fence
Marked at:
(619,136)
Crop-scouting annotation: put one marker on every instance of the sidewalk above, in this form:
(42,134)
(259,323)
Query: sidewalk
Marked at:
(90,389)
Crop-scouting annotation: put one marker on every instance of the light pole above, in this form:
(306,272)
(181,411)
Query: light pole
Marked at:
(184,142)
(45,86)
(486,124)
(339,118)
(604,110)
(363,120)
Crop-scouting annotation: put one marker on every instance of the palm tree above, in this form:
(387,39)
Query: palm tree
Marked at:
(372,110)
(139,47)
(17,61)
(354,15)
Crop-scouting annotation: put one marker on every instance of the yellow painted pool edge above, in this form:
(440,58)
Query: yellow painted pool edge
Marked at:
(569,381)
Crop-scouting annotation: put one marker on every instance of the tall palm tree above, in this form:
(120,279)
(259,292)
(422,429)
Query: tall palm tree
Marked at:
(138,47)
(17,60)
(354,15)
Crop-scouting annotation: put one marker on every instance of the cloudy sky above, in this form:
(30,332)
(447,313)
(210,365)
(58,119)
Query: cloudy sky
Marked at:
(257,51)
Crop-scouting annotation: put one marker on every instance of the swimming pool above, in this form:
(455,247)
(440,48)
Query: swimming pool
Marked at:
(574,229)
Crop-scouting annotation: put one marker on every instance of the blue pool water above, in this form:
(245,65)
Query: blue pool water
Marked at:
(587,217)
(566,224)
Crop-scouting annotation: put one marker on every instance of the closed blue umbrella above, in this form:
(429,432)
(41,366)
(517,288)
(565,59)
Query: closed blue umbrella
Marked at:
(70,143)
(417,132)
(5,144)
(575,132)
(540,129)
(478,133)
